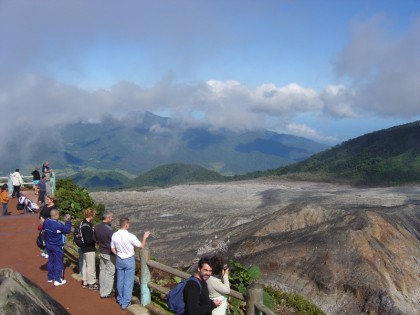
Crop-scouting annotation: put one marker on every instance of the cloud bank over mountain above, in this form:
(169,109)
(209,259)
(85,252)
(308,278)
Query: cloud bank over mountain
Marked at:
(72,62)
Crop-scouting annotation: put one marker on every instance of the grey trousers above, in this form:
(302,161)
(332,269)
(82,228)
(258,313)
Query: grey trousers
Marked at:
(106,273)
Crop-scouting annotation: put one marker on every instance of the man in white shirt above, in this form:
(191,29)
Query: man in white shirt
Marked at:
(122,245)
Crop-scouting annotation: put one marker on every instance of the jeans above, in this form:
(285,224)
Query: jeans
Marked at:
(106,273)
(125,280)
(4,208)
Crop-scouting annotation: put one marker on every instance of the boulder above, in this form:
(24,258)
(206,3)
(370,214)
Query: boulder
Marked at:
(19,295)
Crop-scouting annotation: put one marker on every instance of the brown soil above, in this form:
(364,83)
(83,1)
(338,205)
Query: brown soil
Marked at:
(19,252)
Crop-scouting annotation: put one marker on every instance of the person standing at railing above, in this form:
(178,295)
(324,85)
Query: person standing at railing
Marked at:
(36,178)
(196,296)
(103,234)
(47,171)
(42,190)
(122,245)
(54,239)
(45,213)
(4,198)
(218,284)
(88,249)
(17,181)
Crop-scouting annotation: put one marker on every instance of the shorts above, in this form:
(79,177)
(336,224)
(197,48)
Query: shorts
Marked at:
(36,182)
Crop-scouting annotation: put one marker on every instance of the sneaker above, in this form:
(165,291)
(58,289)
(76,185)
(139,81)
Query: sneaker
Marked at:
(111,295)
(49,281)
(125,307)
(43,254)
(56,283)
(94,286)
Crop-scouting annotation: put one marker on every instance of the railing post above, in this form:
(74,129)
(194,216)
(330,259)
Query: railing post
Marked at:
(52,183)
(9,184)
(254,295)
(145,297)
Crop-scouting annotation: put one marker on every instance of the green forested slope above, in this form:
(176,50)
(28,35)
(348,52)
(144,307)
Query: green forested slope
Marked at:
(388,156)
(175,174)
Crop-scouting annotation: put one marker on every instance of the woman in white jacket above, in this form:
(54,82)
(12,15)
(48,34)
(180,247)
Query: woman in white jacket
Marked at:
(218,284)
(17,181)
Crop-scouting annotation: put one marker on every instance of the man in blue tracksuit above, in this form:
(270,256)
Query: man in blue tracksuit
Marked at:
(54,241)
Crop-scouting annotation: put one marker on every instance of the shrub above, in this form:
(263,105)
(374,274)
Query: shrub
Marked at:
(74,199)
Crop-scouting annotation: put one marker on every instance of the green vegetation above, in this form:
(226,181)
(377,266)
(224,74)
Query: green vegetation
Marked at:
(73,199)
(385,157)
(176,174)
(95,179)
(293,301)
(241,278)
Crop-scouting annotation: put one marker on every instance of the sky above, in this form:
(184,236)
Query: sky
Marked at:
(325,70)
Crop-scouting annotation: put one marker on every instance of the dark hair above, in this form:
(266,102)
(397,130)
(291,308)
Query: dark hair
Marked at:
(17,170)
(216,263)
(204,260)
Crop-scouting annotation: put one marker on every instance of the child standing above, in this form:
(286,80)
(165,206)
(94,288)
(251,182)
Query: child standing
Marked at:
(4,198)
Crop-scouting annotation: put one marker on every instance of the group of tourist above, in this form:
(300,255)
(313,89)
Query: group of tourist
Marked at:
(116,255)
(39,185)
(116,252)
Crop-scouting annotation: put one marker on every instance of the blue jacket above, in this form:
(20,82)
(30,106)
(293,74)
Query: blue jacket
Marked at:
(54,232)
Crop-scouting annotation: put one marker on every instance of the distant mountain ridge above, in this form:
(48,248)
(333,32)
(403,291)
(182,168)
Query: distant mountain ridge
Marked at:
(388,156)
(146,141)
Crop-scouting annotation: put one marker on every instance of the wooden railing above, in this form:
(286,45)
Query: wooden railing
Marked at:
(253,298)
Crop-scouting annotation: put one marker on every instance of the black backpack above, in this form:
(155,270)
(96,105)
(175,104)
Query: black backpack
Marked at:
(77,234)
(40,240)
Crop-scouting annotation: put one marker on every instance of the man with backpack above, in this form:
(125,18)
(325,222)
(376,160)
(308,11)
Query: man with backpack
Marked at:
(196,294)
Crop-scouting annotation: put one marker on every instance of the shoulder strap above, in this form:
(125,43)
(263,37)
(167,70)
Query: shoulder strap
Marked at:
(196,280)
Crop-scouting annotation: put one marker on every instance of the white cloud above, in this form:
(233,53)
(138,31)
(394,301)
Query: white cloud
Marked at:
(305,131)
(338,101)
(383,68)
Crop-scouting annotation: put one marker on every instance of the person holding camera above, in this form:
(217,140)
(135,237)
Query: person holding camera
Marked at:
(218,284)
(54,244)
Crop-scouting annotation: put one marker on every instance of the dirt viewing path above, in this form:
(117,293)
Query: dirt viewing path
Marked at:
(19,252)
